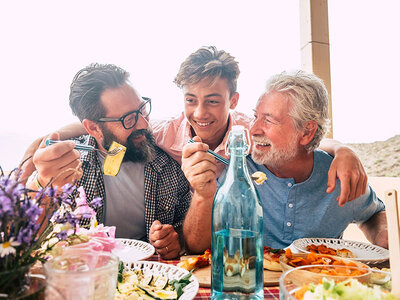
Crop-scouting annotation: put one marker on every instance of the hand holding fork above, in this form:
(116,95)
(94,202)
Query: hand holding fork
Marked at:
(58,164)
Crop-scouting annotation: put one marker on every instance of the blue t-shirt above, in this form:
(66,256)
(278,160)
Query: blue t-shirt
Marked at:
(293,211)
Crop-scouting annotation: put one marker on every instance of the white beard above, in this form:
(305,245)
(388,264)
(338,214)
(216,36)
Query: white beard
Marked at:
(274,157)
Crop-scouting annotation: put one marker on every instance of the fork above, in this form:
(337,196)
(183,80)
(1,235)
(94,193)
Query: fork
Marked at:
(81,147)
(217,156)
(221,159)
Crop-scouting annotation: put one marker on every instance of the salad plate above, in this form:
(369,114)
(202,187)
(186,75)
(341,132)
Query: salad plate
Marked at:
(134,250)
(364,252)
(170,271)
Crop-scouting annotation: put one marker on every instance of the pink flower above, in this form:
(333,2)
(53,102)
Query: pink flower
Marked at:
(83,208)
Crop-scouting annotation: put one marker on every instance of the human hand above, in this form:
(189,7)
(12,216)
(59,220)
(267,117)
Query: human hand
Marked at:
(59,163)
(199,168)
(347,167)
(27,164)
(165,239)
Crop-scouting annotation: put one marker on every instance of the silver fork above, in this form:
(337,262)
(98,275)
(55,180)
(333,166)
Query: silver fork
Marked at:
(113,152)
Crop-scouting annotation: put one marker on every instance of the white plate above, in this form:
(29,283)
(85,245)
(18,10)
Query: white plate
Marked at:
(171,271)
(134,250)
(366,253)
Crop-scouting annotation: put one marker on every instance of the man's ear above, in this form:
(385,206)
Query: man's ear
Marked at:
(93,129)
(308,132)
(234,101)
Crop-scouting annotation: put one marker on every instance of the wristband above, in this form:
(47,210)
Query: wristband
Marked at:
(36,180)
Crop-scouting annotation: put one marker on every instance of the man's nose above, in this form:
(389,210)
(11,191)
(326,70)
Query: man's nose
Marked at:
(255,127)
(142,122)
(200,111)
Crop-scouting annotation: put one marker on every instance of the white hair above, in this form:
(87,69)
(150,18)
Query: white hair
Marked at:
(309,96)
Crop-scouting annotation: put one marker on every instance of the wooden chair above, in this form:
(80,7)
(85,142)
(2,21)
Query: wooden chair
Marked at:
(393,218)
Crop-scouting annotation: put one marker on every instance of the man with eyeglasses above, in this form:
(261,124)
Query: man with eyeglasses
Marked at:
(150,196)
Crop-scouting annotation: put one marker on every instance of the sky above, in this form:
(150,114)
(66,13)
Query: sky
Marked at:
(44,43)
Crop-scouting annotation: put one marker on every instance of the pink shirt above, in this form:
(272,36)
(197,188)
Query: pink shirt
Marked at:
(173,134)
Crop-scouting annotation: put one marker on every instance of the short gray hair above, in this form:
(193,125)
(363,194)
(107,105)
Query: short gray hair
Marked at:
(310,101)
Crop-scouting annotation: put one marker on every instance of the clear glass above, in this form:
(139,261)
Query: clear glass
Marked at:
(237,230)
(82,276)
(294,279)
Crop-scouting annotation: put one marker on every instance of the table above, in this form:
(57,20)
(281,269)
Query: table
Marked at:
(204,293)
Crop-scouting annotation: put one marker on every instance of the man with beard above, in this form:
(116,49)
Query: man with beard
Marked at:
(290,120)
(149,197)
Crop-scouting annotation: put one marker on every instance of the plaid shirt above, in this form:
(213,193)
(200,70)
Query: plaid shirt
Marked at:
(166,190)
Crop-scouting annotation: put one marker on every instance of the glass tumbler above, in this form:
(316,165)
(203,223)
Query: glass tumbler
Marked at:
(85,275)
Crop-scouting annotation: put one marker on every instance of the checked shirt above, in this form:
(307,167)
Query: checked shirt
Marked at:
(166,189)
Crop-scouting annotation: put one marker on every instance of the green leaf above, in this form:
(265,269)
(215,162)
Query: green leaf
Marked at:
(275,250)
(120,270)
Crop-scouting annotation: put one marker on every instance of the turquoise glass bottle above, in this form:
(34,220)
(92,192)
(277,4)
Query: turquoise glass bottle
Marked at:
(237,230)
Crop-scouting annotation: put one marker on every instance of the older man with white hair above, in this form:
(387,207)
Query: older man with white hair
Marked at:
(291,118)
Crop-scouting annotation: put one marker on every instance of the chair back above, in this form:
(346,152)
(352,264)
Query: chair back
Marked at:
(392,202)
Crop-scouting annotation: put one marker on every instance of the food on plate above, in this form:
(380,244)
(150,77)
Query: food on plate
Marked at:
(148,284)
(271,258)
(345,253)
(347,289)
(259,177)
(112,164)
(323,249)
(196,262)
(312,258)
(382,279)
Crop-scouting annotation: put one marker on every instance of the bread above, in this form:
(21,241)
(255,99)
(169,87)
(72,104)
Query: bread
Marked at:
(345,253)
(271,259)
(323,249)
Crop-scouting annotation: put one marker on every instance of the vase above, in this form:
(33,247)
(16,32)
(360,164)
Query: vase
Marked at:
(18,283)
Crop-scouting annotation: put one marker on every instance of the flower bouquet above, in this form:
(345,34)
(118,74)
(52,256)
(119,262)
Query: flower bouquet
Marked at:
(27,220)
(96,238)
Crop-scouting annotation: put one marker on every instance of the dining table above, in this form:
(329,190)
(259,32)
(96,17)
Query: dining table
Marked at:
(270,292)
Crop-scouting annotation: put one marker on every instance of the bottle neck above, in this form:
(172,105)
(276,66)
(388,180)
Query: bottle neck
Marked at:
(237,163)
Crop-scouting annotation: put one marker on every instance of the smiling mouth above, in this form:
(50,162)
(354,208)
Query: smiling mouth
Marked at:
(261,144)
(203,124)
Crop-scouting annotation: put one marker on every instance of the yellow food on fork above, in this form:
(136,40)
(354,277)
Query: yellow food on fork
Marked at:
(259,177)
(112,164)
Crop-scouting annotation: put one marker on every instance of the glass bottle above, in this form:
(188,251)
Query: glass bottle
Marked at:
(237,230)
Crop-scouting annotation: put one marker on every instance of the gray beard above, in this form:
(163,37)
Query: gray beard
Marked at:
(275,158)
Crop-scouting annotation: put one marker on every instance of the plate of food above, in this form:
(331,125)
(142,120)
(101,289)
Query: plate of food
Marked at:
(348,282)
(200,265)
(133,250)
(154,280)
(363,252)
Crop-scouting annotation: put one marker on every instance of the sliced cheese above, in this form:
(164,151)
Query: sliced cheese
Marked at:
(112,164)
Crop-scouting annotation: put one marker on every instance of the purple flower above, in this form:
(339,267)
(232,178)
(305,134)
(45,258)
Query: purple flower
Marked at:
(25,236)
(30,210)
(68,188)
(96,202)
(50,192)
(57,217)
(18,190)
(62,235)
(6,206)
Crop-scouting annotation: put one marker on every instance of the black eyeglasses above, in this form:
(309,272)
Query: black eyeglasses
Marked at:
(130,119)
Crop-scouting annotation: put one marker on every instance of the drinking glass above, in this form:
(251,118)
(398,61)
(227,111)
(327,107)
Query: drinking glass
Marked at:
(82,275)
